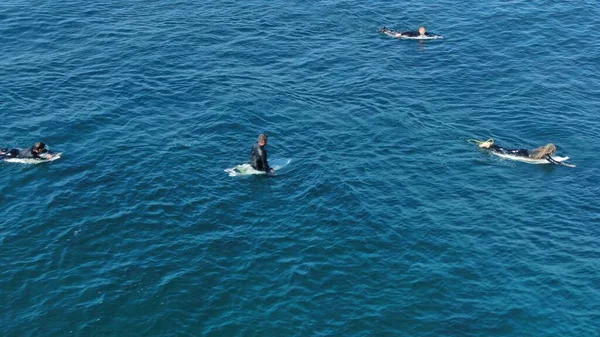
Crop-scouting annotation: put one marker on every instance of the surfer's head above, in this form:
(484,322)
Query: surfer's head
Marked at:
(262,139)
(39,147)
(541,152)
(422,30)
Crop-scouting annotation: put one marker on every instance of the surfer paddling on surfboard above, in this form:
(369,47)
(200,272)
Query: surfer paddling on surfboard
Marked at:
(540,154)
(258,159)
(422,34)
(37,151)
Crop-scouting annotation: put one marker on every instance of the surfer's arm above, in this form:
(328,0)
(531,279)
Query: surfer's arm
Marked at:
(266,164)
(41,155)
(548,158)
(551,160)
(390,32)
(263,159)
(48,154)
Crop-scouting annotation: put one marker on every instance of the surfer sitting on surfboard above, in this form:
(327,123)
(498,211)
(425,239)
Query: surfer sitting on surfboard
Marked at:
(421,33)
(543,152)
(30,153)
(259,155)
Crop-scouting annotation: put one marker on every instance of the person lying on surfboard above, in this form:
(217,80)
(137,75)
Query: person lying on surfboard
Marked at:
(543,152)
(258,159)
(33,152)
(421,33)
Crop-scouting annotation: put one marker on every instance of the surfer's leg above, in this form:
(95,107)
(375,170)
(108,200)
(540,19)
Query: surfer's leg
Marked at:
(518,152)
(12,153)
(497,149)
(515,152)
(387,31)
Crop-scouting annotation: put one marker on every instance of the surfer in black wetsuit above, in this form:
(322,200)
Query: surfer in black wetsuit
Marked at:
(259,155)
(543,152)
(30,153)
(422,32)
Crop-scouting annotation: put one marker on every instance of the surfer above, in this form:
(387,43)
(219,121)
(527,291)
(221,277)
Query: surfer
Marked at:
(543,152)
(259,155)
(421,33)
(30,153)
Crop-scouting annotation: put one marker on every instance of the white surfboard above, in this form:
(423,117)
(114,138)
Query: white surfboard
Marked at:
(530,160)
(43,159)
(433,37)
(393,33)
(246,169)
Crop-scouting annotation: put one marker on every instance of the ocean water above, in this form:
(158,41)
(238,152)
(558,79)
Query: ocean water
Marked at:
(387,222)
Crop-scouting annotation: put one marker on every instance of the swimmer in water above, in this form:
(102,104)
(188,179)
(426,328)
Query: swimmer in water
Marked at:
(543,152)
(421,33)
(33,152)
(259,155)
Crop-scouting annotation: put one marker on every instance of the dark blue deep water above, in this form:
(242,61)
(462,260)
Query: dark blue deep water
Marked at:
(387,222)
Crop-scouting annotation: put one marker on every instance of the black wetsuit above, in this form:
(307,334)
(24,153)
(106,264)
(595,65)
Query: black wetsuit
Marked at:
(29,153)
(521,153)
(515,152)
(414,33)
(259,158)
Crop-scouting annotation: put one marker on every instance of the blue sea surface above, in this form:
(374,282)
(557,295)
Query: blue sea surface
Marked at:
(387,222)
